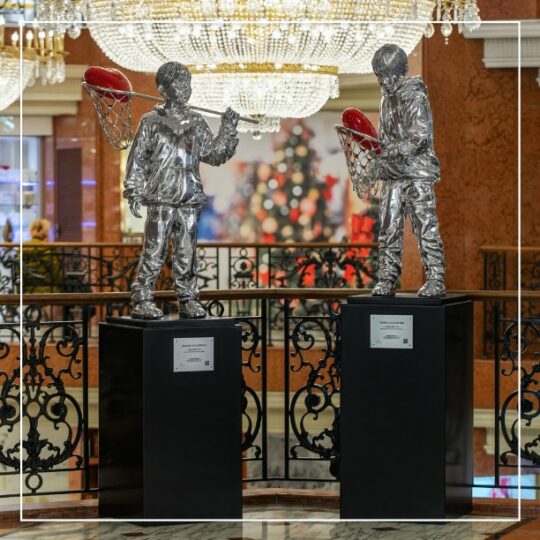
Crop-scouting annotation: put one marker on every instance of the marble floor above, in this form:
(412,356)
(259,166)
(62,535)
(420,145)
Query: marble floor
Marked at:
(262,530)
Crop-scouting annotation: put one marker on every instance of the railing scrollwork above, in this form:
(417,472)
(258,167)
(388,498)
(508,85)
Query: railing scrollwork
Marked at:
(527,344)
(46,398)
(306,381)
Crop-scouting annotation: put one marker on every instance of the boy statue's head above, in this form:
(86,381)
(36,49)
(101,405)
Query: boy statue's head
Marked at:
(390,65)
(173,80)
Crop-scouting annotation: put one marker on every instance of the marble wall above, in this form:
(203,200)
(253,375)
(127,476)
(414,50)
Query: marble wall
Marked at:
(475,112)
(475,115)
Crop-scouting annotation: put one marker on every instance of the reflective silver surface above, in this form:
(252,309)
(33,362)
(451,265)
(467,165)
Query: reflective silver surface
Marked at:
(408,168)
(162,173)
(285,526)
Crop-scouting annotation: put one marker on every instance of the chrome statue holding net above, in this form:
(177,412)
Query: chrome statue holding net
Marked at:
(403,165)
(162,173)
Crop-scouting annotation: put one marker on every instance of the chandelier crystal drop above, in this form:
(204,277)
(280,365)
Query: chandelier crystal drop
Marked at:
(463,12)
(266,58)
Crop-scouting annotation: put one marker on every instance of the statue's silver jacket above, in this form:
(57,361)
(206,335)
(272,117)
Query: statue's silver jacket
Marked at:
(163,163)
(406,126)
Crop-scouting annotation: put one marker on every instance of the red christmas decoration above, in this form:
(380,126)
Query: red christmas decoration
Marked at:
(330,181)
(362,231)
(307,276)
(280,179)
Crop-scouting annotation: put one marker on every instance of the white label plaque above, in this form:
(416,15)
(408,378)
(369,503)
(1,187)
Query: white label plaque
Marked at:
(194,354)
(391,331)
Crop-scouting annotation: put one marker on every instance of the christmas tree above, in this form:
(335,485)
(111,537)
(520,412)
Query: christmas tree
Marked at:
(289,201)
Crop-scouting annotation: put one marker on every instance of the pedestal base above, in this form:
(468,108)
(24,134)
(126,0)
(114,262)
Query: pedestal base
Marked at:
(170,438)
(406,407)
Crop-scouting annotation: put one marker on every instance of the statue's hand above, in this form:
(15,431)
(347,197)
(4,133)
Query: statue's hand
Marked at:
(230,117)
(390,151)
(135,207)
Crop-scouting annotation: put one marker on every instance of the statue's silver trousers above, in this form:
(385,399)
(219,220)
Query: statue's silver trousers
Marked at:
(415,198)
(165,223)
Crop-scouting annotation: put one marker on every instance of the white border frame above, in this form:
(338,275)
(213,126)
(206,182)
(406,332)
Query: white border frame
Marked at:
(22,24)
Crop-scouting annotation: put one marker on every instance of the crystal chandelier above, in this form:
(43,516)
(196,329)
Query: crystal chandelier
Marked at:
(42,57)
(266,58)
(463,12)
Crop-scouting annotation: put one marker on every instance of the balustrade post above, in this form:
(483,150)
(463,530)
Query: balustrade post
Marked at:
(100,263)
(264,387)
(86,437)
(496,385)
(218,269)
(270,273)
(485,308)
(286,360)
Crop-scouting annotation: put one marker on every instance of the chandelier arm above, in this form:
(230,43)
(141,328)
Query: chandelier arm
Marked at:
(159,99)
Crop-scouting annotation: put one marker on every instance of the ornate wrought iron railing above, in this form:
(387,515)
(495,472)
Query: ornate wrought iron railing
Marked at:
(501,273)
(104,267)
(513,338)
(44,365)
(302,379)
(108,267)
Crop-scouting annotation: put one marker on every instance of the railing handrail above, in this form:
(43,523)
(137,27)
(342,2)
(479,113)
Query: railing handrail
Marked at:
(241,294)
(482,249)
(201,244)
(508,249)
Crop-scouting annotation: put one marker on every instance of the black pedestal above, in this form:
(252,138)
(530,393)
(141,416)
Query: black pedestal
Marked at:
(406,408)
(170,439)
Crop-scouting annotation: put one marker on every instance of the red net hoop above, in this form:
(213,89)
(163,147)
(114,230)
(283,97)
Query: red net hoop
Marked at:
(361,152)
(113,108)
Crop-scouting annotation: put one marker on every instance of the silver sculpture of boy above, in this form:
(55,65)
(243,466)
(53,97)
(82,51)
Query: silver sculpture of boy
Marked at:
(162,173)
(408,169)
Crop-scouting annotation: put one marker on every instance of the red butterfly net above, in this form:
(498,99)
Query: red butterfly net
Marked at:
(110,92)
(361,146)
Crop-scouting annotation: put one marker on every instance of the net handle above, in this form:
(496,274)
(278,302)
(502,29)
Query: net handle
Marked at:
(130,93)
(339,127)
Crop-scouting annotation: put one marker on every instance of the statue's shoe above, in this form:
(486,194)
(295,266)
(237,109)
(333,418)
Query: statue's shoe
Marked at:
(191,309)
(146,310)
(384,288)
(432,287)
